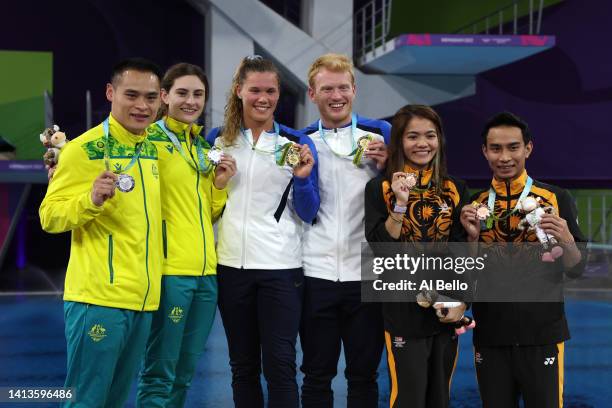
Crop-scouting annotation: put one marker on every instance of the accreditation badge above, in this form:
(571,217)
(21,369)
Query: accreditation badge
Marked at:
(125,183)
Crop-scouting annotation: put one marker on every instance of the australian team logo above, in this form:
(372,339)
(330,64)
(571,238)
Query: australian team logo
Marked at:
(155,170)
(176,314)
(97,332)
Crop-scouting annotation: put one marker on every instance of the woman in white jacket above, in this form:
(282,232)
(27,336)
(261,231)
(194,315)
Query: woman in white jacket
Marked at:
(259,251)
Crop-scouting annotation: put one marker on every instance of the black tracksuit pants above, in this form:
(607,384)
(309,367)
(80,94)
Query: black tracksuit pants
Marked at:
(333,315)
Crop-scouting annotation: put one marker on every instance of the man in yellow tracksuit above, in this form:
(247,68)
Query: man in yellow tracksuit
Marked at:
(114,272)
(190,205)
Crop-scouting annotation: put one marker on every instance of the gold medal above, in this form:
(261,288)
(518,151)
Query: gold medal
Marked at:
(293,156)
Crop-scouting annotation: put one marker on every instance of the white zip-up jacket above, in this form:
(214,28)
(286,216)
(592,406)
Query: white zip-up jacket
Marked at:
(261,226)
(332,244)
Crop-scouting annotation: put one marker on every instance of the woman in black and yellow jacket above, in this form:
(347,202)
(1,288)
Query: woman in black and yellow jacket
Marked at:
(421,347)
(193,195)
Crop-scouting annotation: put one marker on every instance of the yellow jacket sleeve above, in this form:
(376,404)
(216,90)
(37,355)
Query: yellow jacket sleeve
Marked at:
(218,199)
(67,204)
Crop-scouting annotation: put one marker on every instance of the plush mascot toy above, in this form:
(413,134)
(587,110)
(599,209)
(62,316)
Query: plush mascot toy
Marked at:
(53,140)
(533,210)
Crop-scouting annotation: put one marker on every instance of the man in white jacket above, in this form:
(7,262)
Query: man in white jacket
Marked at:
(351,151)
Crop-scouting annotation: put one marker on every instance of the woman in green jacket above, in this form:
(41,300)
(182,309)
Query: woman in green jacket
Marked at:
(193,195)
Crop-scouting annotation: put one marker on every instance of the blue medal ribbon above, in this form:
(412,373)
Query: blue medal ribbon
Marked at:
(105,126)
(204,165)
(353,132)
(524,193)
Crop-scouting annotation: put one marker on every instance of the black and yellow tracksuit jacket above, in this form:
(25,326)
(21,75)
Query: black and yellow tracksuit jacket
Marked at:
(430,217)
(524,323)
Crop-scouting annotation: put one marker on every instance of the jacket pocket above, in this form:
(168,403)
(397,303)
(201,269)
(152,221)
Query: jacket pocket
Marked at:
(165,239)
(110,258)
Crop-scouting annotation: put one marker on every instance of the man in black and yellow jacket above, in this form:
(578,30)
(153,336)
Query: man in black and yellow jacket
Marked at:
(518,346)
(114,272)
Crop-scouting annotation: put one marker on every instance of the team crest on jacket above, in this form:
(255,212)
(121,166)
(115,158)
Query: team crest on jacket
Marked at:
(155,170)
(176,314)
(97,332)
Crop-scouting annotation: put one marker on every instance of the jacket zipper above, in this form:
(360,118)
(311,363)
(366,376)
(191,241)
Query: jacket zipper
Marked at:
(144,197)
(338,188)
(165,239)
(246,203)
(110,258)
(199,204)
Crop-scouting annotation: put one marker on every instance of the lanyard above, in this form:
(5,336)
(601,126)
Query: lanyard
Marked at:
(277,150)
(204,165)
(135,157)
(493,194)
(353,132)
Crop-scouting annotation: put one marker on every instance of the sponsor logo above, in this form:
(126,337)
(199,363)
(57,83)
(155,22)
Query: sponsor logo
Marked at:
(549,361)
(398,342)
(97,332)
(170,148)
(176,314)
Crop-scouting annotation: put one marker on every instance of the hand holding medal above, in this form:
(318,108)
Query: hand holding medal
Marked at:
(225,167)
(104,187)
(377,151)
(299,157)
(401,184)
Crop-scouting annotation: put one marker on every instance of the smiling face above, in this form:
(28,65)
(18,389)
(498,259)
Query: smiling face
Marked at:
(134,97)
(420,142)
(185,99)
(506,152)
(259,93)
(333,93)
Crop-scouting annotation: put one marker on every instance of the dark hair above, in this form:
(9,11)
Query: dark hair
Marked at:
(506,119)
(177,71)
(137,64)
(397,159)
(233,108)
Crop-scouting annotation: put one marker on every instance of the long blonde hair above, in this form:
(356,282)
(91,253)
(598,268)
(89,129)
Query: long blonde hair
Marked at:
(233,109)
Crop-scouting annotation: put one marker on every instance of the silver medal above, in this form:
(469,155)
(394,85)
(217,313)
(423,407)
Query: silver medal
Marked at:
(125,183)
(214,155)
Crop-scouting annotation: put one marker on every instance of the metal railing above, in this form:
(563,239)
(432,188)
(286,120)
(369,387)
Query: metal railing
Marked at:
(595,209)
(371,27)
(495,23)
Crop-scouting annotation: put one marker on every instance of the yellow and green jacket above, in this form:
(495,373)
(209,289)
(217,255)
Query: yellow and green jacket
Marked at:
(115,254)
(190,203)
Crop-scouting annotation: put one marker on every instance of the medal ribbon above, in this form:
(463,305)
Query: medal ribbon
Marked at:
(204,165)
(105,126)
(279,152)
(493,195)
(353,143)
